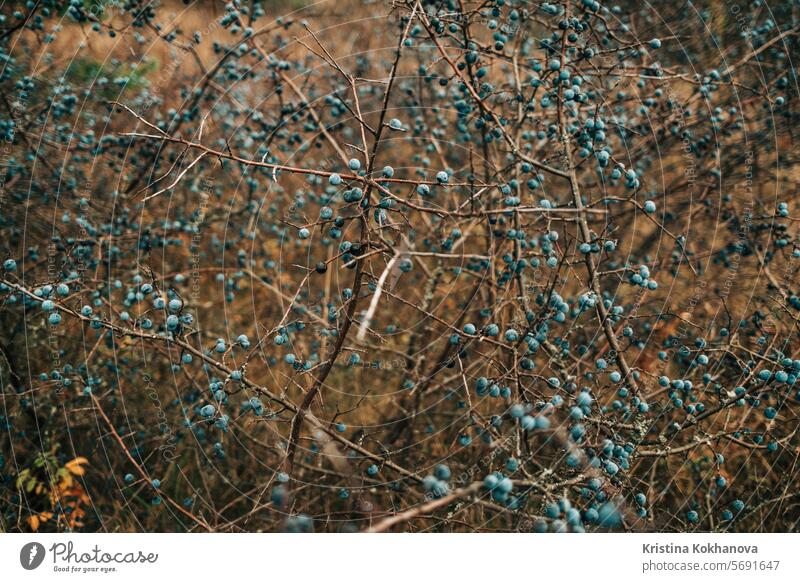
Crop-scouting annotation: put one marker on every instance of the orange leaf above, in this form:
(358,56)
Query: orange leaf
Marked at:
(33,521)
(74,466)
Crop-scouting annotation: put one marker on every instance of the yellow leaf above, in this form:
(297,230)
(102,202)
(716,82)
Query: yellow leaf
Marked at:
(66,482)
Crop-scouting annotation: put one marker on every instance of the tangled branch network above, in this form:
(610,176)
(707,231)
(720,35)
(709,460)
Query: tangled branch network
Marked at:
(443,265)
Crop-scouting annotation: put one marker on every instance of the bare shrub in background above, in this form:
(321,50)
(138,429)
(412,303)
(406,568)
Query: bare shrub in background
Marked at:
(409,266)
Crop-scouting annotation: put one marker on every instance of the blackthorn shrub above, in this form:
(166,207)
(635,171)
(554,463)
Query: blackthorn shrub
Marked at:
(420,265)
